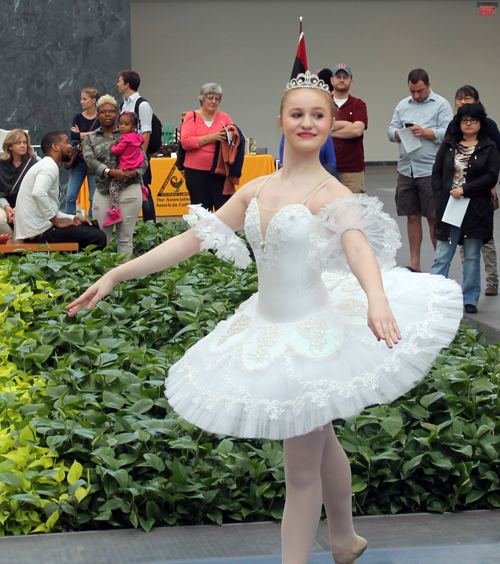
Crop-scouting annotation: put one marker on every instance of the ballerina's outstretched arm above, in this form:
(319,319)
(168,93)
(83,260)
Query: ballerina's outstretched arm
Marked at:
(364,266)
(163,256)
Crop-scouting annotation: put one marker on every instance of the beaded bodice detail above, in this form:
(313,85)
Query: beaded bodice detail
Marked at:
(288,287)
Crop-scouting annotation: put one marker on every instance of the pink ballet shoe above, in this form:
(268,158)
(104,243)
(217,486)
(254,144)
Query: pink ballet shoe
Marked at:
(349,556)
(145,192)
(114,217)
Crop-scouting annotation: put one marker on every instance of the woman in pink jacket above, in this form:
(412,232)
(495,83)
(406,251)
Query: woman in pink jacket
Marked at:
(200,132)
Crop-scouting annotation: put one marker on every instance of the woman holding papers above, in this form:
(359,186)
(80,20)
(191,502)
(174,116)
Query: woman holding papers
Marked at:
(465,171)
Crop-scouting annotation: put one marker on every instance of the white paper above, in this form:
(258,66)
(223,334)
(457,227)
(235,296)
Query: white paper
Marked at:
(455,210)
(410,142)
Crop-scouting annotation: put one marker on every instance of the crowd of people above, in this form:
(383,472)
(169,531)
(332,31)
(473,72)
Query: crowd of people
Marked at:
(294,357)
(452,159)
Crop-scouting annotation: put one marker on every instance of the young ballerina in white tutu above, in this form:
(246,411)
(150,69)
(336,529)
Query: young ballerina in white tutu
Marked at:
(300,353)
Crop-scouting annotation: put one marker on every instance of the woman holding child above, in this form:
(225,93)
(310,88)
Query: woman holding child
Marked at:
(307,349)
(98,154)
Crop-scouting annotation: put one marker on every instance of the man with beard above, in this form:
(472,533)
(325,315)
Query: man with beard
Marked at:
(38,219)
(351,119)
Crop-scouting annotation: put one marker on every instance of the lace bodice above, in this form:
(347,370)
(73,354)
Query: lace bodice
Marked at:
(298,247)
(289,288)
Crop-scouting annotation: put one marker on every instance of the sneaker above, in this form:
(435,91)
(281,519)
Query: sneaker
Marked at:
(491,290)
(470,308)
(114,217)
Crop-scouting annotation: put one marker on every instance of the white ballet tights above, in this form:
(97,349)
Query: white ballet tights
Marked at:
(316,470)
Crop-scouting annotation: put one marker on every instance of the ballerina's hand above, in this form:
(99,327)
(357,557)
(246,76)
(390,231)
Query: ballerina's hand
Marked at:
(91,296)
(382,322)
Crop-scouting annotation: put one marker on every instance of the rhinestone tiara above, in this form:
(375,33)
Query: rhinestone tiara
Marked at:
(307,80)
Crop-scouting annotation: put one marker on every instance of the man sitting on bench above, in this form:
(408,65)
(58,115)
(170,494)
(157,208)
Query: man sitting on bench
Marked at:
(38,219)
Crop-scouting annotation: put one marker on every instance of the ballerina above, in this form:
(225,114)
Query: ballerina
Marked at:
(300,352)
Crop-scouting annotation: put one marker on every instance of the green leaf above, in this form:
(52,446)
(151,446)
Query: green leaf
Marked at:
(427,400)
(10,479)
(155,461)
(392,424)
(474,495)
(74,472)
(141,406)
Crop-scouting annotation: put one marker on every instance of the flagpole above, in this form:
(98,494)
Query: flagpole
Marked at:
(300,20)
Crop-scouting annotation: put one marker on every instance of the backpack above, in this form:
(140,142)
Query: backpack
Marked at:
(156,129)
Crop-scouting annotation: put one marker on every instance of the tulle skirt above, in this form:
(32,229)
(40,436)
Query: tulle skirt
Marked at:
(253,378)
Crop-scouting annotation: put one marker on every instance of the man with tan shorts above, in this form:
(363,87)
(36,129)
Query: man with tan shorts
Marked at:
(351,119)
(427,115)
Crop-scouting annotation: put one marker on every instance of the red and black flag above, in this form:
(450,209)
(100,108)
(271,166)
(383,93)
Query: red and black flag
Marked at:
(300,64)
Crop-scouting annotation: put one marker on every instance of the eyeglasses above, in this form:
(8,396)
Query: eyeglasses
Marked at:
(342,76)
(213,98)
(108,112)
(469,120)
(467,99)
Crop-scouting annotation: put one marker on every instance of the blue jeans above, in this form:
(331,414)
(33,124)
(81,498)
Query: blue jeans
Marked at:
(445,250)
(76,177)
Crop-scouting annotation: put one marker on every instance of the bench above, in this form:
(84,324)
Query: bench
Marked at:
(20,247)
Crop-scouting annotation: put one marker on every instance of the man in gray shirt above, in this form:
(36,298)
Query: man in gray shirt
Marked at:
(427,115)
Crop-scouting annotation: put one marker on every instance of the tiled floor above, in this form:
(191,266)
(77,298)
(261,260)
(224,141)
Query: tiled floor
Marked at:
(459,538)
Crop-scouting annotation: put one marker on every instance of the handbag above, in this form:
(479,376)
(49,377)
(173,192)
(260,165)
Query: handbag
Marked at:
(77,153)
(181,152)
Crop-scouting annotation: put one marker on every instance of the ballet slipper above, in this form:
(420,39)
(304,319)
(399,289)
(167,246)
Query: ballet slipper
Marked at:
(349,556)
(114,217)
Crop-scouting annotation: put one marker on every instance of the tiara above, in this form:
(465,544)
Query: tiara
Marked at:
(307,80)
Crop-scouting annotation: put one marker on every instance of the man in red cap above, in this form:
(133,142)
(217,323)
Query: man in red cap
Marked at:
(351,119)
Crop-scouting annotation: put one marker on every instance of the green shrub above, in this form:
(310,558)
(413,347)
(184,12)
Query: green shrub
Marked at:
(88,441)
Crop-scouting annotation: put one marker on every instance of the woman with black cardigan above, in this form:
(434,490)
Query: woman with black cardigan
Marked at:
(466,166)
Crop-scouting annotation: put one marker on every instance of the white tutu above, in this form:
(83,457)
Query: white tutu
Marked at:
(299,353)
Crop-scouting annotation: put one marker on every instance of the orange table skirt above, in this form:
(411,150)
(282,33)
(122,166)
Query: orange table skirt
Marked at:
(169,186)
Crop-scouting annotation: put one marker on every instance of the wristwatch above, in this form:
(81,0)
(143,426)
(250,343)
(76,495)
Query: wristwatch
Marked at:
(106,172)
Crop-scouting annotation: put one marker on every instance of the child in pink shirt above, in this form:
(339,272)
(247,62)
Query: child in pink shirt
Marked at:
(131,157)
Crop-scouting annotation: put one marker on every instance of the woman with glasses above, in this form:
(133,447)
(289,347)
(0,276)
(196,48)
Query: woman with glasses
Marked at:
(103,162)
(201,130)
(467,167)
(469,95)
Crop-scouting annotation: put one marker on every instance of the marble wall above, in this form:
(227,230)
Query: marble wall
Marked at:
(50,50)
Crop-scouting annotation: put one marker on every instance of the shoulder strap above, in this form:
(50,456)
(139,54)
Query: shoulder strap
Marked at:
(21,175)
(316,189)
(256,195)
(138,102)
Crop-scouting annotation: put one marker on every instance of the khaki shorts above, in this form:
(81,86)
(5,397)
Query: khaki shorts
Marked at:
(414,196)
(355,181)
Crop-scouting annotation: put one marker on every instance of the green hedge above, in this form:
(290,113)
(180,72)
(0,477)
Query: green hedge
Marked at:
(88,441)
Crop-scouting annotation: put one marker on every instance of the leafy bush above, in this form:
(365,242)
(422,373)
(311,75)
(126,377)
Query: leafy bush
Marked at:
(87,439)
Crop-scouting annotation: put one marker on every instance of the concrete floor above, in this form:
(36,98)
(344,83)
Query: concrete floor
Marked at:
(461,538)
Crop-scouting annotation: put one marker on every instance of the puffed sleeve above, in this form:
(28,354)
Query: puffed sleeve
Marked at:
(360,212)
(216,235)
